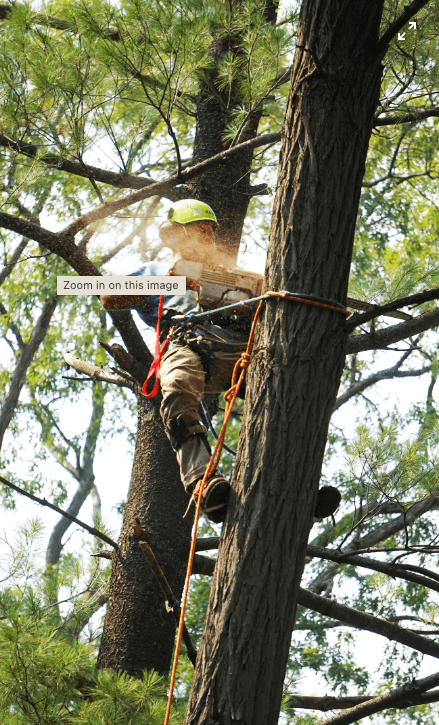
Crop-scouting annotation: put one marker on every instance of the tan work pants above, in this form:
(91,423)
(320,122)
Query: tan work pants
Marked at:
(182,381)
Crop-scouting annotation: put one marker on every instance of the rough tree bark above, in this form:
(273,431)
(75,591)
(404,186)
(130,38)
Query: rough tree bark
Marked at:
(138,632)
(296,368)
(227,187)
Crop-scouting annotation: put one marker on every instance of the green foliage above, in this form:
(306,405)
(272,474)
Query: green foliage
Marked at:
(47,657)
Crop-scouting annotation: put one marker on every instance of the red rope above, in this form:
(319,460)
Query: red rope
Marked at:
(159,350)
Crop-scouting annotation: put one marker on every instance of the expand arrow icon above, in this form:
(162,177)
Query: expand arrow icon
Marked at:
(401,36)
(412,24)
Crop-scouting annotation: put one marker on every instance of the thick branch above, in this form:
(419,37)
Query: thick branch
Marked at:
(203,565)
(64,246)
(60,244)
(44,502)
(120,180)
(206,565)
(360,620)
(209,542)
(393,29)
(408,694)
(381,339)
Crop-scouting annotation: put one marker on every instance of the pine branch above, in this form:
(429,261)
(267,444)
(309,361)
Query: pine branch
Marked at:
(408,13)
(403,696)
(44,502)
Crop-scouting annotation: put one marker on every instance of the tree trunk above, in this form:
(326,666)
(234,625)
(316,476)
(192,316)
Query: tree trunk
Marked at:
(138,632)
(296,367)
(227,187)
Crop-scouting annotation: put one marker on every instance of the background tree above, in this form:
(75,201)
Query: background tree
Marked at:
(80,82)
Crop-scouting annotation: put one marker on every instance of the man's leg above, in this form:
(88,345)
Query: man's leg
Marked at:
(182,384)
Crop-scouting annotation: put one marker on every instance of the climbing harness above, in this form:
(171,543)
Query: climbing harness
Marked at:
(190,318)
(229,397)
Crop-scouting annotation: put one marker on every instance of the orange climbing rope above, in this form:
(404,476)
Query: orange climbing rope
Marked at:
(229,398)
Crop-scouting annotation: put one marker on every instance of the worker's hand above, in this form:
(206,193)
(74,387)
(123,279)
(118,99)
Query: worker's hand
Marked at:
(119,302)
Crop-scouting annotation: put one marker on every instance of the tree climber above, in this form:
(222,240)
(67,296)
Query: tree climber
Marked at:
(196,362)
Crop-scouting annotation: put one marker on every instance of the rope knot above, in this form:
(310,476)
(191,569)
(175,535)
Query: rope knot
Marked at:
(244,361)
(229,395)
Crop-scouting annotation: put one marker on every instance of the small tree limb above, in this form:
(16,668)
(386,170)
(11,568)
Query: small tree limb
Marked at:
(127,362)
(44,502)
(171,601)
(408,117)
(95,372)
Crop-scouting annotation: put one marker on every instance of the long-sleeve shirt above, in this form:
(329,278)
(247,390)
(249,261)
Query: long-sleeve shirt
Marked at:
(148,307)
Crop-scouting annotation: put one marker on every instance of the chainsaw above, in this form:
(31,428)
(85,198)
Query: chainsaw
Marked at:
(217,286)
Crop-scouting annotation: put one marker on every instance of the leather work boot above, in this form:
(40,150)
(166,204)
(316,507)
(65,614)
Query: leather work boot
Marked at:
(215,499)
(328,501)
